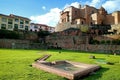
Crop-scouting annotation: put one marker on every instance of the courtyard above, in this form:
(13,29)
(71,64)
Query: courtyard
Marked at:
(16,64)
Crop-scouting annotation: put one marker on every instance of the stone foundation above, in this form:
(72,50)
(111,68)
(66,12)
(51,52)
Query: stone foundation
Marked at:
(67,69)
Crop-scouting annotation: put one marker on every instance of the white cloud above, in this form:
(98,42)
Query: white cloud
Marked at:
(95,2)
(111,5)
(43,7)
(51,18)
(75,4)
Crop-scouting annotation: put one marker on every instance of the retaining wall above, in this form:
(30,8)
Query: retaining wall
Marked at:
(20,44)
(80,43)
(9,43)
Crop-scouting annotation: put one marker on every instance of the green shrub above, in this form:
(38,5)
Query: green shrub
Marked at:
(42,33)
(116,42)
(94,42)
(108,42)
(102,42)
(9,34)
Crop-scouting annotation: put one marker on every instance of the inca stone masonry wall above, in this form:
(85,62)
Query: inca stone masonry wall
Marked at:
(9,43)
(80,43)
(66,42)
(20,44)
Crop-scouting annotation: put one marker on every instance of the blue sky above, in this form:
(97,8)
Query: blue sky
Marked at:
(47,11)
(31,7)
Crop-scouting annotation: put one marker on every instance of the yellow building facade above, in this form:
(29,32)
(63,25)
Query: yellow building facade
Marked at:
(14,22)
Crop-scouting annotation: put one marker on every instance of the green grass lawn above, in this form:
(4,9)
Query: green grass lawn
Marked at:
(16,64)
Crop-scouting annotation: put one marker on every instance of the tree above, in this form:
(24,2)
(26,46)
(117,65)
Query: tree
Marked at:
(108,42)
(43,34)
(102,42)
(84,28)
(9,34)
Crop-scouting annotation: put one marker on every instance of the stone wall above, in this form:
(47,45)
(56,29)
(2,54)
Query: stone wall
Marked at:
(67,25)
(80,43)
(62,26)
(66,42)
(20,44)
(9,43)
(98,48)
(29,46)
(104,48)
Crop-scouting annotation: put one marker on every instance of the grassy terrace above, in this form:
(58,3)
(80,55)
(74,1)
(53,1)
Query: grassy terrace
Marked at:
(16,64)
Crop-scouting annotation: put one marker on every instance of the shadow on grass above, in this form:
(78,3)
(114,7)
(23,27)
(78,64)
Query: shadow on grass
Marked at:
(103,61)
(95,75)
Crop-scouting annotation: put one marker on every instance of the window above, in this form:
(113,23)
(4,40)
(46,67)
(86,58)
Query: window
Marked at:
(75,12)
(82,22)
(16,26)
(91,23)
(3,26)
(4,19)
(10,21)
(21,21)
(16,20)
(31,30)
(9,26)
(21,26)
(92,12)
(26,22)
(35,27)
(26,28)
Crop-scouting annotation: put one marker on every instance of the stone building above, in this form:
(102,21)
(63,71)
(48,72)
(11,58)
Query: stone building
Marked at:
(36,27)
(88,16)
(14,22)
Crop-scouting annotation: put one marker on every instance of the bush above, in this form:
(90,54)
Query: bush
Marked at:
(9,34)
(108,42)
(94,42)
(116,42)
(42,34)
(102,42)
